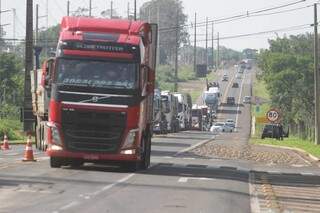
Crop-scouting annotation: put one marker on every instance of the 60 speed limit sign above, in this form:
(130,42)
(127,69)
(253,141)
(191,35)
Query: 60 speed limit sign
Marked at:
(273,115)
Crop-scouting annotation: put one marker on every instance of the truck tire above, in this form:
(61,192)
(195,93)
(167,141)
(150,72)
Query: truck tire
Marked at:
(38,133)
(55,162)
(146,155)
(76,163)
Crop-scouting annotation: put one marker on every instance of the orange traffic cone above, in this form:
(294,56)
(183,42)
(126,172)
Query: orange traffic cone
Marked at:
(5,145)
(28,152)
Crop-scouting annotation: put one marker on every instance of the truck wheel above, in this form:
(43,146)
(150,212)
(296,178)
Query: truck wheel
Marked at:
(55,162)
(42,141)
(145,162)
(76,163)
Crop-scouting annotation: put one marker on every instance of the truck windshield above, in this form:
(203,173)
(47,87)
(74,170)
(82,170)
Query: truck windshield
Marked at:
(90,73)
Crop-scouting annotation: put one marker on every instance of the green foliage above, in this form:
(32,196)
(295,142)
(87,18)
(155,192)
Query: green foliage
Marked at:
(11,80)
(288,73)
(11,128)
(48,37)
(186,73)
(164,13)
(165,76)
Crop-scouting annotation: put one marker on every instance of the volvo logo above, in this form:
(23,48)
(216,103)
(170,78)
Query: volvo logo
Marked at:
(95,99)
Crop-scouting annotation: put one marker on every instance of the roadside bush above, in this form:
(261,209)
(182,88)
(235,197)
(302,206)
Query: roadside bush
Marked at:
(12,128)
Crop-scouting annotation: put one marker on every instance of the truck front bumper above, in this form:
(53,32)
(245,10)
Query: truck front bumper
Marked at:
(93,156)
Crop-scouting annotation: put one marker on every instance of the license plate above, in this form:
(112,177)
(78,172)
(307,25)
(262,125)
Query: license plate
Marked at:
(91,157)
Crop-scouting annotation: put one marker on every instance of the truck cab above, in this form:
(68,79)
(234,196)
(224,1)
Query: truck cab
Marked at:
(170,105)
(101,86)
(184,110)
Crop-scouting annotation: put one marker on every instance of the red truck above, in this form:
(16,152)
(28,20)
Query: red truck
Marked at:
(94,100)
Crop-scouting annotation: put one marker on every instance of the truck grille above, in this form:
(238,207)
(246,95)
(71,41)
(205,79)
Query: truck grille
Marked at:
(93,131)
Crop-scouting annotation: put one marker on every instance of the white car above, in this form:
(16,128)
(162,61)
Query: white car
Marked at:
(220,127)
(225,77)
(231,122)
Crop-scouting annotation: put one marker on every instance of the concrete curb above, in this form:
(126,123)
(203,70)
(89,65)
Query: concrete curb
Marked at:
(196,145)
(294,149)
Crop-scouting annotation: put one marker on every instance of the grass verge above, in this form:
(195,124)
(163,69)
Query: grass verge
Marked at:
(259,90)
(293,142)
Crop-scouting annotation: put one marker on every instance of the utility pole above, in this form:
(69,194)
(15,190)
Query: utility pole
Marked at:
(316,78)
(158,40)
(206,54)
(27,103)
(0,22)
(176,50)
(212,44)
(218,52)
(14,27)
(128,10)
(111,11)
(135,10)
(68,8)
(90,7)
(47,27)
(37,25)
(195,44)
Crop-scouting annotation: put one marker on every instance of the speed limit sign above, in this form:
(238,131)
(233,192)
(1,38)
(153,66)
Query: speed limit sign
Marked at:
(273,115)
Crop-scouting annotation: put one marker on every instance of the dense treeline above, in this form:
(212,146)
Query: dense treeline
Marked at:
(288,72)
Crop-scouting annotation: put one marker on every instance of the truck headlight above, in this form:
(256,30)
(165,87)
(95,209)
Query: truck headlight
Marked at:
(55,135)
(130,139)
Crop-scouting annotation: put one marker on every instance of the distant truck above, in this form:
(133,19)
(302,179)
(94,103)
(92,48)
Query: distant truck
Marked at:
(199,118)
(184,110)
(212,98)
(160,124)
(94,100)
(171,104)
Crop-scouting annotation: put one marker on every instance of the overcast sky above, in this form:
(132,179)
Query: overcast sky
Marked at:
(213,9)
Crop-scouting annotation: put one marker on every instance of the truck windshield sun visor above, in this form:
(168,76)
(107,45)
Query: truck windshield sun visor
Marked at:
(97,73)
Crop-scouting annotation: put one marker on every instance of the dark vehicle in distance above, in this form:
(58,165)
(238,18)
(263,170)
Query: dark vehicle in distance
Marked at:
(274,131)
(231,100)
(235,85)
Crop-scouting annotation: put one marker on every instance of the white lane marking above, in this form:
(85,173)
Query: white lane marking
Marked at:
(225,94)
(68,206)
(3,167)
(254,200)
(195,146)
(107,187)
(307,173)
(239,99)
(11,154)
(185,179)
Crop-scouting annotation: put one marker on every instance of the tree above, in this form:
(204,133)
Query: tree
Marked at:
(288,72)
(164,13)
(11,82)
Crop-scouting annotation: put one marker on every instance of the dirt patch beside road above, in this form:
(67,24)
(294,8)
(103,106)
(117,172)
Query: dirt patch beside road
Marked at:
(254,153)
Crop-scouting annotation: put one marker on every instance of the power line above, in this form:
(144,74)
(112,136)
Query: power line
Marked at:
(287,29)
(234,17)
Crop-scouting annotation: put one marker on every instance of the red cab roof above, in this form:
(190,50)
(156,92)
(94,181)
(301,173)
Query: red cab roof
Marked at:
(86,24)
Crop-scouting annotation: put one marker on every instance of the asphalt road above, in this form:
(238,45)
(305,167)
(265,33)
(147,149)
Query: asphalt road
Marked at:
(178,180)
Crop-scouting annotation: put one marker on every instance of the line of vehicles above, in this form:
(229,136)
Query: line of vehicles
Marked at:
(172,112)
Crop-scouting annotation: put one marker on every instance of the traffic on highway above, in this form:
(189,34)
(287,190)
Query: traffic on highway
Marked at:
(105,111)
